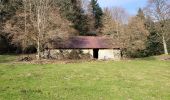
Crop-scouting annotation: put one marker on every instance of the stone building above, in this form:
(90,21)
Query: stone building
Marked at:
(98,47)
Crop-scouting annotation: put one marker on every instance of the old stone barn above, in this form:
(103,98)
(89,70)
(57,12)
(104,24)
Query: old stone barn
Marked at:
(97,47)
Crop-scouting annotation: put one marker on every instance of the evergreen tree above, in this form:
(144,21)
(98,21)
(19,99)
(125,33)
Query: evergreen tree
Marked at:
(141,14)
(153,46)
(8,9)
(97,13)
(72,10)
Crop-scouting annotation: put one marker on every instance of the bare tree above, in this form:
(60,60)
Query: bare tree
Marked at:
(120,16)
(109,24)
(36,22)
(159,11)
(136,35)
(129,32)
(114,21)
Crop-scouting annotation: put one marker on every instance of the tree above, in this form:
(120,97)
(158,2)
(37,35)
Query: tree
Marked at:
(120,17)
(136,36)
(36,22)
(131,33)
(95,15)
(141,14)
(8,9)
(159,11)
(109,24)
(153,44)
(73,11)
(114,22)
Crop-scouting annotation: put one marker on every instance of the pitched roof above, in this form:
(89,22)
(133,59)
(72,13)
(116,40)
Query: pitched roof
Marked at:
(86,42)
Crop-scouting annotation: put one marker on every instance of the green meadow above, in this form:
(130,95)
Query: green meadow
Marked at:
(141,79)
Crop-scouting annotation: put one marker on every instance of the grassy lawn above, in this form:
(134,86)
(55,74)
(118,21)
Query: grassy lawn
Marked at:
(124,80)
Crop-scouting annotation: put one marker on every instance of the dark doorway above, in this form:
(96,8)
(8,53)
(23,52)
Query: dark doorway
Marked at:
(95,53)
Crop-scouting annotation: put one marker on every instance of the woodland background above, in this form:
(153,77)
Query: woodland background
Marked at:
(27,26)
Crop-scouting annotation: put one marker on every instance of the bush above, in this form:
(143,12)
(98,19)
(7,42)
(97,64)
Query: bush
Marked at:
(74,54)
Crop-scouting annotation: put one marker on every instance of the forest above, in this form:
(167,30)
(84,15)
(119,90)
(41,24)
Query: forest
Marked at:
(26,26)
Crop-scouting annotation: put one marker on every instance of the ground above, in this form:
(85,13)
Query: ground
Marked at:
(141,79)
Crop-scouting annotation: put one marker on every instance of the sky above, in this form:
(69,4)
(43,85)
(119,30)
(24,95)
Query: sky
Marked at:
(131,6)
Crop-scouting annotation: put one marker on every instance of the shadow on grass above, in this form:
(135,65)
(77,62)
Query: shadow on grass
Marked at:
(148,58)
(158,57)
(7,58)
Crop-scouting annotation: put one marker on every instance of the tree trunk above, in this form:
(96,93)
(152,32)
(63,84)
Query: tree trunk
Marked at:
(39,30)
(165,45)
(38,49)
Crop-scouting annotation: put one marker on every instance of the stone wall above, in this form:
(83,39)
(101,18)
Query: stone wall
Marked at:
(105,54)
(113,54)
(67,54)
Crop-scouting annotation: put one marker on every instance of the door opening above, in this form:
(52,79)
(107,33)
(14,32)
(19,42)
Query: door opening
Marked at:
(95,53)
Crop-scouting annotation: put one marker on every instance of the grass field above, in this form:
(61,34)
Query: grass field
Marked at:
(102,80)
